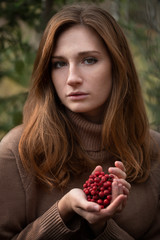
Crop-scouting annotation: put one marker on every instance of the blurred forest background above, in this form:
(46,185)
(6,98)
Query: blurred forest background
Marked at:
(22,23)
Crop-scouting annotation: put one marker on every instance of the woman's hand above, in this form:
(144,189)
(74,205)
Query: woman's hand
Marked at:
(120,192)
(75,201)
(119,173)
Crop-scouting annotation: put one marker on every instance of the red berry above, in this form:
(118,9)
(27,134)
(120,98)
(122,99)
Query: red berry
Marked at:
(106,192)
(102,206)
(107,184)
(93,192)
(106,202)
(97,173)
(91,176)
(101,194)
(91,180)
(100,201)
(103,179)
(97,179)
(87,191)
(84,185)
(95,197)
(107,175)
(109,197)
(100,183)
(92,200)
(102,188)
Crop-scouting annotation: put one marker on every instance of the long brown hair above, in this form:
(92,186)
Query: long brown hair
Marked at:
(49,146)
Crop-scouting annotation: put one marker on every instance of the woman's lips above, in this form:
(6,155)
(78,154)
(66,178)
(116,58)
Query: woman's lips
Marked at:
(77,95)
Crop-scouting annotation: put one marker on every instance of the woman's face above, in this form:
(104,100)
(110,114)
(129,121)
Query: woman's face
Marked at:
(81,72)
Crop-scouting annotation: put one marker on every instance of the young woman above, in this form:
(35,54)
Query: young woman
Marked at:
(84,113)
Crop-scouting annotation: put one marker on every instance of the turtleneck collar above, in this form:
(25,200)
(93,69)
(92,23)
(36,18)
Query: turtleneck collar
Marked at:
(90,137)
(89,132)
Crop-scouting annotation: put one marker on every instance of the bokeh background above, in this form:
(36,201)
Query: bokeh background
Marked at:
(22,23)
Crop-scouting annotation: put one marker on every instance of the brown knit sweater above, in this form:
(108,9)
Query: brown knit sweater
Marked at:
(29,212)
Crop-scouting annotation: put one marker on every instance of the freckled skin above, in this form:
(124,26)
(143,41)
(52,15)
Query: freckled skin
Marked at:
(81,71)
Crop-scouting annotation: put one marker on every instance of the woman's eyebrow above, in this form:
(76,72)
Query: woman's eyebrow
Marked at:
(59,57)
(88,52)
(79,54)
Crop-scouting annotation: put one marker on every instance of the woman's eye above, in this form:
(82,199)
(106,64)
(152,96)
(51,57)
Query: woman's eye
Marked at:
(59,64)
(90,60)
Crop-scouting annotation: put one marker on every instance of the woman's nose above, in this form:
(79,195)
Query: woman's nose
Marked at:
(74,75)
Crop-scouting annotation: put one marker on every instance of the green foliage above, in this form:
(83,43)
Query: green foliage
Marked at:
(11,112)
(27,10)
(17,57)
(153,79)
(17,61)
(145,42)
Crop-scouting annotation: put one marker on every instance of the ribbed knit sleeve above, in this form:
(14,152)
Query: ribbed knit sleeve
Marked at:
(52,226)
(48,227)
(20,217)
(114,232)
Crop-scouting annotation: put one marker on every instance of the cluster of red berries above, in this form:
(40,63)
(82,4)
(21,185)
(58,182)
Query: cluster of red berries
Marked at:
(98,188)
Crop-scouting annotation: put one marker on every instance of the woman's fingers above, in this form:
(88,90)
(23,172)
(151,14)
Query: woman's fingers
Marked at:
(120,165)
(117,189)
(124,183)
(117,172)
(95,217)
(97,168)
(115,206)
(125,187)
(91,211)
(78,200)
(125,191)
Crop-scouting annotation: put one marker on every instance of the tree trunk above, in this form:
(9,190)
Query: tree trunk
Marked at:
(46,12)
